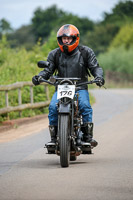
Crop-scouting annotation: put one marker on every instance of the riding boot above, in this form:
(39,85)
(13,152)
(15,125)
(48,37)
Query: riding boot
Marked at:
(53,134)
(88,134)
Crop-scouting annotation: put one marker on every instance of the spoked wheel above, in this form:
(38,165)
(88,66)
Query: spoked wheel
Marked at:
(64,140)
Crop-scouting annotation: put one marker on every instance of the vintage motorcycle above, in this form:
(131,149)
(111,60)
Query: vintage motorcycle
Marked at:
(69,140)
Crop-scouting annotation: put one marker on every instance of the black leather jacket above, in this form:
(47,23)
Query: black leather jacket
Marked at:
(73,65)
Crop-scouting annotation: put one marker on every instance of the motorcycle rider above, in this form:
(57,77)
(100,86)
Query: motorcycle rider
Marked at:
(72,64)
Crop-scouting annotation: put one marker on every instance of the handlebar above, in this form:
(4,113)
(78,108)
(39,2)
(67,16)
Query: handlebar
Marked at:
(55,83)
(88,82)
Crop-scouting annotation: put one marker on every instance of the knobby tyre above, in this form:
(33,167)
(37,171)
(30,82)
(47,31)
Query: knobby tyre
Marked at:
(64,132)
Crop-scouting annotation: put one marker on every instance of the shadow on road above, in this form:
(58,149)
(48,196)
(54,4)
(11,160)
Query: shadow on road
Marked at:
(49,164)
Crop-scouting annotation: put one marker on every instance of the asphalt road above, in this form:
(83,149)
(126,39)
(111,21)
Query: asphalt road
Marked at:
(28,173)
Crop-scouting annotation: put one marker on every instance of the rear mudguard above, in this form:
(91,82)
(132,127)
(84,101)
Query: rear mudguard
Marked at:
(64,108)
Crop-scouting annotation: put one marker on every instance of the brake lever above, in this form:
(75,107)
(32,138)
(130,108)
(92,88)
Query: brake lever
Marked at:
(104,87)
(42,80)
(95,81)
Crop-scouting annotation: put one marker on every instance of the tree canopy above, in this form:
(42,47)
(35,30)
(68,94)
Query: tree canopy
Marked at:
(51,19)
(124,37)
(98,36)
(5,26)
(122,12)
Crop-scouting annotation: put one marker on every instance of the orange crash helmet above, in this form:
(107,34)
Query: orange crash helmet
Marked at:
(68,30)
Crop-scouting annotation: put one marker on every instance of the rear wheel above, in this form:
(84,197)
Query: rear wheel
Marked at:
(64,140)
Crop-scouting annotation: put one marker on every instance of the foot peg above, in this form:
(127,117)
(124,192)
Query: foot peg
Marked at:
(86,148)
(51,147)
(93,143)
(86,144)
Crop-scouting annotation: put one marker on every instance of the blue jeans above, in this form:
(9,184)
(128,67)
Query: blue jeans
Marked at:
(84,107)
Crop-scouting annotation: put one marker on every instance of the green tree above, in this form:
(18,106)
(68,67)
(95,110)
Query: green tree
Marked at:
(23,36)
(44,21)
(118,60)
(5,26)
(52,18)
(100,38)
(50,44)
(105,31)
(122,12)
(124,37)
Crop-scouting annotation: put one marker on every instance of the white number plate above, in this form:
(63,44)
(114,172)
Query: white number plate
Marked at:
(65,91)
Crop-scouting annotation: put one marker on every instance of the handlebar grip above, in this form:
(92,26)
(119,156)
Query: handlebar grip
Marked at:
(43,64)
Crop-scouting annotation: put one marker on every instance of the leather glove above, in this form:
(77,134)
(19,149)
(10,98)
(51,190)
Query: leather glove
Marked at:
(35,80)
(101,81)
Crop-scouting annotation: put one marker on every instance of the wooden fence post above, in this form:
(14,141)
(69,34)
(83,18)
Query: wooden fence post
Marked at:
(7,102)
(6,98)
(31,94)
(19,100)
(47,92)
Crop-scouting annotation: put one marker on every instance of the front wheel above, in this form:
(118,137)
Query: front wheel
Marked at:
(64,139)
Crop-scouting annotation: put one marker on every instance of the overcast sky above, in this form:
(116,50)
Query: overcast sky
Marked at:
(20,12)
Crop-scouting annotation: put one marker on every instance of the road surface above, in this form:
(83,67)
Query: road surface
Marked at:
(28,173)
